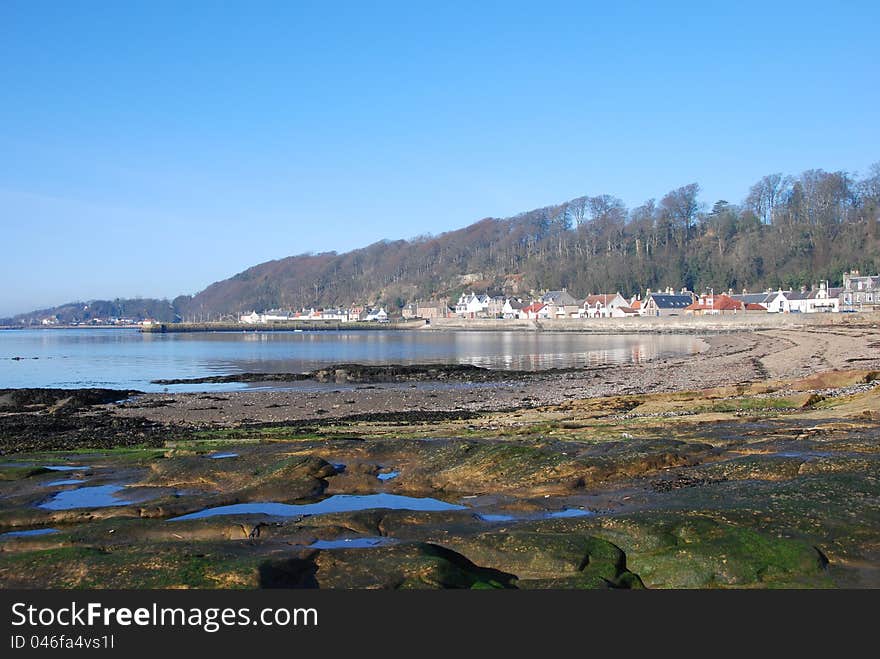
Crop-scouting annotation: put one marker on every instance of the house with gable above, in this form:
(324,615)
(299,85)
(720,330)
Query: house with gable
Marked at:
(470,305)
(532,311)
(667,303)
(714,305)
(560,304)
(603,305)
(860,292)
(512,308)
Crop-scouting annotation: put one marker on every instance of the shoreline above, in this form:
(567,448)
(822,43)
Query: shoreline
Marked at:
(353,391)
(755,463)
(733,323)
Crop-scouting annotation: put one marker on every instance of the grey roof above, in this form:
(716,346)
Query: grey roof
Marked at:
(832,292)
(797,295)
(666,301)
(750,298)
(558,297)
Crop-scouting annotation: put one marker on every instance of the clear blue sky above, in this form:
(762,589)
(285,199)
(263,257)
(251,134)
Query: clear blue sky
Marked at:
(151,148)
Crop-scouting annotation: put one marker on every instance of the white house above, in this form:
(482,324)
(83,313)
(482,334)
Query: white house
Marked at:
(823,299)
(778,302)
(377,315)
(469,305)
(335,314)
(532,311)
(512,308)
(624,312)
(251,318)
(602,306)
(546,312)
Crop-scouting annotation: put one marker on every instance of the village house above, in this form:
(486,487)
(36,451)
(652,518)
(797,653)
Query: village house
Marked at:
(409,311)
(340,315)
(495,307)
(470,305)
(823,299)
(753,301)
(779,301)
(624,312)
(272,316)
(714,305)
(531,311)
(559,298)
(377,315)
(559,304)
(512,308)
(432,310)
(602,306)
(819,300)
(860,293)
(357,312)
(667,303)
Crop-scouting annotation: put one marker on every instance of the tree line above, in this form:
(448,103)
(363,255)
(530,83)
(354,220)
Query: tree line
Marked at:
(787,232)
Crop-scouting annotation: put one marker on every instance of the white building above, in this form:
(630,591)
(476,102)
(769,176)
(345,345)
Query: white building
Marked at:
(470,305)
(823,299)
(377,315)
(512,308)
(778,302)
(819,300)
(602,306)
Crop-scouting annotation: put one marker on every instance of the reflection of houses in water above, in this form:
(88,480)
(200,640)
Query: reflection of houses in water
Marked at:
(638,354)
(634,353)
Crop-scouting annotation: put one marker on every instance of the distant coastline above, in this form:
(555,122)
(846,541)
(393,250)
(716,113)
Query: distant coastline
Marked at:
(638,325)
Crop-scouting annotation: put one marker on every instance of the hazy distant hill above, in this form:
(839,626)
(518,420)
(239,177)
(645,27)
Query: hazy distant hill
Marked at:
(789,231)
(83,312)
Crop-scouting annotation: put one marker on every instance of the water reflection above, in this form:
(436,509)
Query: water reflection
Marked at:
(101,496)
(125,358)
(28,533)
(339,503)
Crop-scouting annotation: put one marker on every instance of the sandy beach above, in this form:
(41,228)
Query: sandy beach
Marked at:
(754,463)
(728,359)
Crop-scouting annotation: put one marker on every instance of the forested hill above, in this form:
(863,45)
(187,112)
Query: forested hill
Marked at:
(788,232)
(135,309)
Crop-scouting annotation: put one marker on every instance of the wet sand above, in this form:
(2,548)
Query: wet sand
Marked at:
(753,464)
(729,359)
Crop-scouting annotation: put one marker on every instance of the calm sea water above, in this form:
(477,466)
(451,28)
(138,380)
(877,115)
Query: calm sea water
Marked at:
(126,358)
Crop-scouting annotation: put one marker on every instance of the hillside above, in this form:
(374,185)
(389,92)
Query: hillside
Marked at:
(83,312)
(788,232)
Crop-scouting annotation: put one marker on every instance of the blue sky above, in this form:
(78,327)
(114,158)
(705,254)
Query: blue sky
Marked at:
(151,148)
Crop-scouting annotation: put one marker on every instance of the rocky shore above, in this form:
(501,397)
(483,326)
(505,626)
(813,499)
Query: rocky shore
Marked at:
(755,463)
